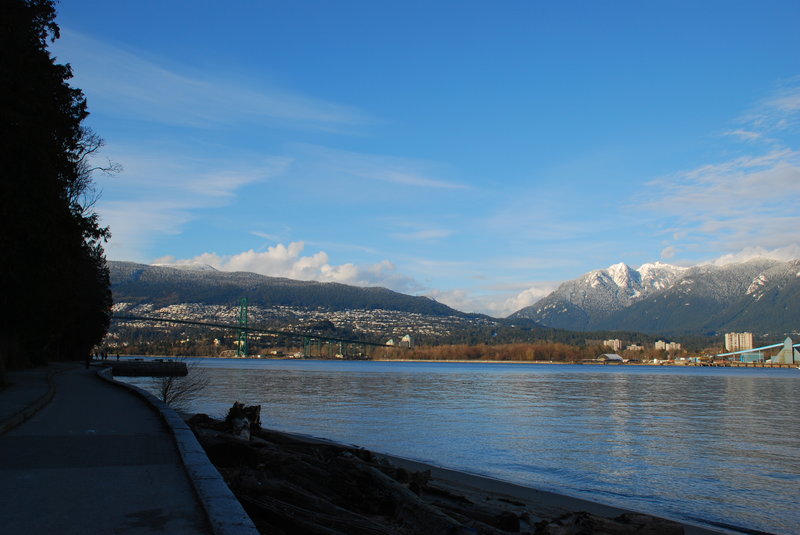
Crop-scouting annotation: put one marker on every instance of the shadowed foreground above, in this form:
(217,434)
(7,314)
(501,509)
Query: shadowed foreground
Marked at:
(292,484)
(96,459)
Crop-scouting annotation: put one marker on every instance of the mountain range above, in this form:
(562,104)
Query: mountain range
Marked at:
(163,285)
(759,296)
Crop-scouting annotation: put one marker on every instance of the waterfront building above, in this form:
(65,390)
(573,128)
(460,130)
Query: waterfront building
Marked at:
(634,347)
(406,341)
(615,344)
(738,341)
(753,356)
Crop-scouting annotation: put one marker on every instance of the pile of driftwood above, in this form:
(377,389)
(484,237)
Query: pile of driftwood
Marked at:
(290,485)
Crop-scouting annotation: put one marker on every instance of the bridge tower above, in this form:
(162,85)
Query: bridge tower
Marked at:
(241,346)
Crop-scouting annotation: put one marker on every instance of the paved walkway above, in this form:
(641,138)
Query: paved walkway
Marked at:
(95,459)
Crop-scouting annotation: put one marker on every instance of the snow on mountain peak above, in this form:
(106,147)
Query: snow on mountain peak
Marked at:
(620,274)
(658,275)
(188,267)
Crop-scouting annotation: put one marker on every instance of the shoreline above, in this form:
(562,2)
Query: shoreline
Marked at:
(746,365)
(549,504)
(479,491)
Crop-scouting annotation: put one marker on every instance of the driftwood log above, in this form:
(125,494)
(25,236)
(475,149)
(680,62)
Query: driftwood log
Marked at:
(290,486)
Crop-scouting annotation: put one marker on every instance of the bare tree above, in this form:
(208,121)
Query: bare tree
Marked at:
(81,192)
(179,392)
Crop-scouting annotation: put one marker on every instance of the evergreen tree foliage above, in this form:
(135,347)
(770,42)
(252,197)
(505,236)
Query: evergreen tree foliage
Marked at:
(55,281)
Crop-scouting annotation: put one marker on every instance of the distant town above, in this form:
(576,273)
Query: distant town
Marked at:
(739,348)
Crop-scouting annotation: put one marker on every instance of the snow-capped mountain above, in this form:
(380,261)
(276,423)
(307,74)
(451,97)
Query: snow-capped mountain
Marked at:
(759,295)
(575,304)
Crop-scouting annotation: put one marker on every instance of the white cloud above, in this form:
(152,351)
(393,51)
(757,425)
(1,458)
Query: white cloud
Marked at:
(789,252)
(668,252)
(288,261)
(498,305)
(458,299)
(121,82)
(525,298)
(744,202)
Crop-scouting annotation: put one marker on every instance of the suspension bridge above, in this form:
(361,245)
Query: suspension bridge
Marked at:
(333,346)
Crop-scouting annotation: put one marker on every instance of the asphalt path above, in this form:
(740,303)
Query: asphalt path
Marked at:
(95,459)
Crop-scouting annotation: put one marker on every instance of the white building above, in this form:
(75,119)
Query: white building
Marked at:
(615,344)
(668,346)
(738,341)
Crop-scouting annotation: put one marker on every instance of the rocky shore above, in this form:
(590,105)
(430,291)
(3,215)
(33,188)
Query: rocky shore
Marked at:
(290,484)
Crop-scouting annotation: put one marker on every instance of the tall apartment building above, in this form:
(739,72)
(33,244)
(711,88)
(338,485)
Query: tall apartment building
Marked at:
(738,341)
(668,346)
(615,344)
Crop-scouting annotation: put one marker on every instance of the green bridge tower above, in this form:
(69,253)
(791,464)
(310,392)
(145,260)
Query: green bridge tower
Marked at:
(241,346)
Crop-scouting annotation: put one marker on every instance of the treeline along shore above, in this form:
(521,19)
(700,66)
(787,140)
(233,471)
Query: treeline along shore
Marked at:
(540,352)
(514,352)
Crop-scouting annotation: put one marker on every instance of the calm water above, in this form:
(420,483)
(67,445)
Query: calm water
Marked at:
(709,445)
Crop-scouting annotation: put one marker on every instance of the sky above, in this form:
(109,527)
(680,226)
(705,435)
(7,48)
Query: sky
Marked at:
(479,153)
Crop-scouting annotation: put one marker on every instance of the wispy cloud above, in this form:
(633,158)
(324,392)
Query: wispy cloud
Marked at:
(745,202)
(744,135)
(160,191)
(135,223)
(401,171)
(427,234)
(124,83)
(776,113)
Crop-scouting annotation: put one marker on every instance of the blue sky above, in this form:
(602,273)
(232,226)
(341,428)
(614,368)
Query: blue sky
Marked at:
(476,152)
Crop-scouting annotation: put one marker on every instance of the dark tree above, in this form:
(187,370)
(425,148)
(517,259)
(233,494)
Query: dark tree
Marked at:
(55,283)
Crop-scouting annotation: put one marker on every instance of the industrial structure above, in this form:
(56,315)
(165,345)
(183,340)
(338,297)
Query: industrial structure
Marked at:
(787,355)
